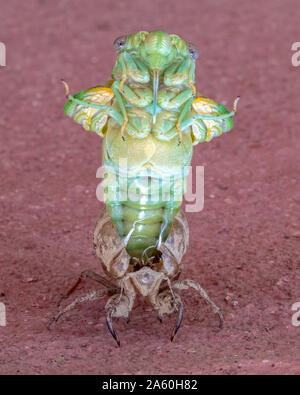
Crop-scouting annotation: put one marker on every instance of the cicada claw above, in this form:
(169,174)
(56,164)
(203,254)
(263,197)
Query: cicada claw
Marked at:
(179,321)
(111,329)
(194,91)
(122,83)
(221,320)
(179,133)
(123,128)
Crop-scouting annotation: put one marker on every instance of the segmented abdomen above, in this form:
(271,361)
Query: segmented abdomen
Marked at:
(142,207)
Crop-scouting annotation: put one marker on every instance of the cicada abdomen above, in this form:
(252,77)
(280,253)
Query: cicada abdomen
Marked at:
(150,117)
(144,185)
(142,205)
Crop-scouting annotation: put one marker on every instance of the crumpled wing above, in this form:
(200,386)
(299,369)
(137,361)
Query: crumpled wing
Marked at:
(93,119)
(207,129)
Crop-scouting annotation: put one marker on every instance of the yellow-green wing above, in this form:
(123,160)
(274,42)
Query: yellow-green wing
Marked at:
(207,129)
(93,119)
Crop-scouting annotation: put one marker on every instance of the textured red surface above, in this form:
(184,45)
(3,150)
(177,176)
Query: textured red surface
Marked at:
(244,246)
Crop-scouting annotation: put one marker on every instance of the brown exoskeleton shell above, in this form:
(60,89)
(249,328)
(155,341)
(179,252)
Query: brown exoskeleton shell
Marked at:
(111,248)
(156,280)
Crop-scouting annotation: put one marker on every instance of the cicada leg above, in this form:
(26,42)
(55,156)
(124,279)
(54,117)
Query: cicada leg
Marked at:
(122,108)
(120,306)
(181,73)
(140,97)
(91,296)
(127,66)
(169,302)
(179,321)
(91,275)
(164,128)
(182,115)
(186,284)
(172,99)
(139,125)
(178,74)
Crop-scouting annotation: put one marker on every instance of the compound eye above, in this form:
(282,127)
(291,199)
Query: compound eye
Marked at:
(120,43)
(193,52)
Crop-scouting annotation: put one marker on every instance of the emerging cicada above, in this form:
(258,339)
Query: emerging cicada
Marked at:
(150,116)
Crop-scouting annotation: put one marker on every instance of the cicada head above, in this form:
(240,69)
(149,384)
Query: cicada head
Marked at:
(157,49)
(164,56)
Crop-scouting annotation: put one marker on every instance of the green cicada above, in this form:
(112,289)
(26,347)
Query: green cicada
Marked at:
(150,116)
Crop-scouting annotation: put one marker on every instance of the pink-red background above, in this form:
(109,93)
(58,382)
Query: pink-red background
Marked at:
(244,246)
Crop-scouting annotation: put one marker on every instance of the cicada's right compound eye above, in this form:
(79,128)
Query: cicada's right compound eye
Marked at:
(193,52)
(120,43)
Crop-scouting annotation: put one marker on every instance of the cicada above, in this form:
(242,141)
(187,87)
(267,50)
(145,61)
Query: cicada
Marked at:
(150,117)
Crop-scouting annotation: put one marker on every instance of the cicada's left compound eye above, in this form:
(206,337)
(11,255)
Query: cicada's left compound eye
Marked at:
(193,52)
(120,43)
